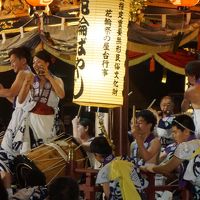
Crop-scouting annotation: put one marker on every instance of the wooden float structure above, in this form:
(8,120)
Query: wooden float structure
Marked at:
(10,24)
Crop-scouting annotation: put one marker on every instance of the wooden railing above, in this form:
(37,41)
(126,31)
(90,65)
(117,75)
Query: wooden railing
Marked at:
(89,188)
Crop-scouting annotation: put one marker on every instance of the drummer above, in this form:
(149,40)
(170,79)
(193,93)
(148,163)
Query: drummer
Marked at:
(164,120)
(83,132)
(145,148)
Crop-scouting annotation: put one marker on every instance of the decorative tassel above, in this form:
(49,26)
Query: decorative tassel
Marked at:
(152,64)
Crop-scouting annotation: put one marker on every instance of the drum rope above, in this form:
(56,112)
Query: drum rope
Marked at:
(59,150)
(78,147)
(55,165)
(36,158)
(56,175)
(47,159)
(46,152)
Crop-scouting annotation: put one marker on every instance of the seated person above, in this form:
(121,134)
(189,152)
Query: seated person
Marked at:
(164,120)
(63,188)
(115,173)
(83,132)
(146,147)
(183,129)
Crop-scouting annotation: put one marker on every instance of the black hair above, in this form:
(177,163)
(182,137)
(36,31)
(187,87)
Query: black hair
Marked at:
(22,52)
(101,146)
(44,55)
(184,121)
(193,69)
(87,122)
(148,116)
(63,188)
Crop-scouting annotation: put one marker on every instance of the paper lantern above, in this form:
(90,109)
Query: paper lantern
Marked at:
(39,2)
(101,53)
(184,3)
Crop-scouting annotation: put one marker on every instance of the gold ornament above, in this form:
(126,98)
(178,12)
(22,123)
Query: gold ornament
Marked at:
(135,10)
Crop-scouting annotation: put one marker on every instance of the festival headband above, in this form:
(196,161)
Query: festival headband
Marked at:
(183,126)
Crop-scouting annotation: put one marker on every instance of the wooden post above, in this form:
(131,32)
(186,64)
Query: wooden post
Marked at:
(120,120)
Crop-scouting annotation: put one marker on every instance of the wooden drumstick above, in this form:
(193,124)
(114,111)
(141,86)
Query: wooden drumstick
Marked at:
(130,93)
(151,104)
(79,111)
(133,116)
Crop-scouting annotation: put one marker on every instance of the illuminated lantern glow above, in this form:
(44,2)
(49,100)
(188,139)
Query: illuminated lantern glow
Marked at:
(184,3)
(39,2)
(101,53)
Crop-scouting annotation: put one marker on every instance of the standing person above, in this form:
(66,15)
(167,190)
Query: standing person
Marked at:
(146,147)
(19,58)
(37,126)
(192,94)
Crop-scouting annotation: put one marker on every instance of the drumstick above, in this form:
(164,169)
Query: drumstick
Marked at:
(79,111)
(130,93)
(151,104)
(133,116)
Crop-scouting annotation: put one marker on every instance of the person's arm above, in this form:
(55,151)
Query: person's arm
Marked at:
(153,149)
(11,99)
(86,146)
(103,179)
(27,84)
(156,114)
(185,105)
(106,189)
(57,84)
(75,129)
(165,169)
(162,156)
(15,88)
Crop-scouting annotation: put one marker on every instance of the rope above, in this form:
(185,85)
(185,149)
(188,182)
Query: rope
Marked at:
(59,150)
(46,152)
(39,147)
(40,160)
(54,166)
(56,175)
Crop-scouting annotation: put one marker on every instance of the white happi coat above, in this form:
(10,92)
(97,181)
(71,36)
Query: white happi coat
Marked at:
(17,138)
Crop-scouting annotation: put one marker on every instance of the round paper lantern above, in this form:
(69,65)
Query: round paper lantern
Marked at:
(184,3)
(39,2)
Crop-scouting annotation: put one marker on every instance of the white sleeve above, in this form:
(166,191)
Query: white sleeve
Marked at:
(103,175)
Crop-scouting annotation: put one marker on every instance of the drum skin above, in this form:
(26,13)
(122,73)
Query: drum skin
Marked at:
(48,161)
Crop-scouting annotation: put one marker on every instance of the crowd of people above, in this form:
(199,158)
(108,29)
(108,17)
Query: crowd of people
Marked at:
(161,141)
